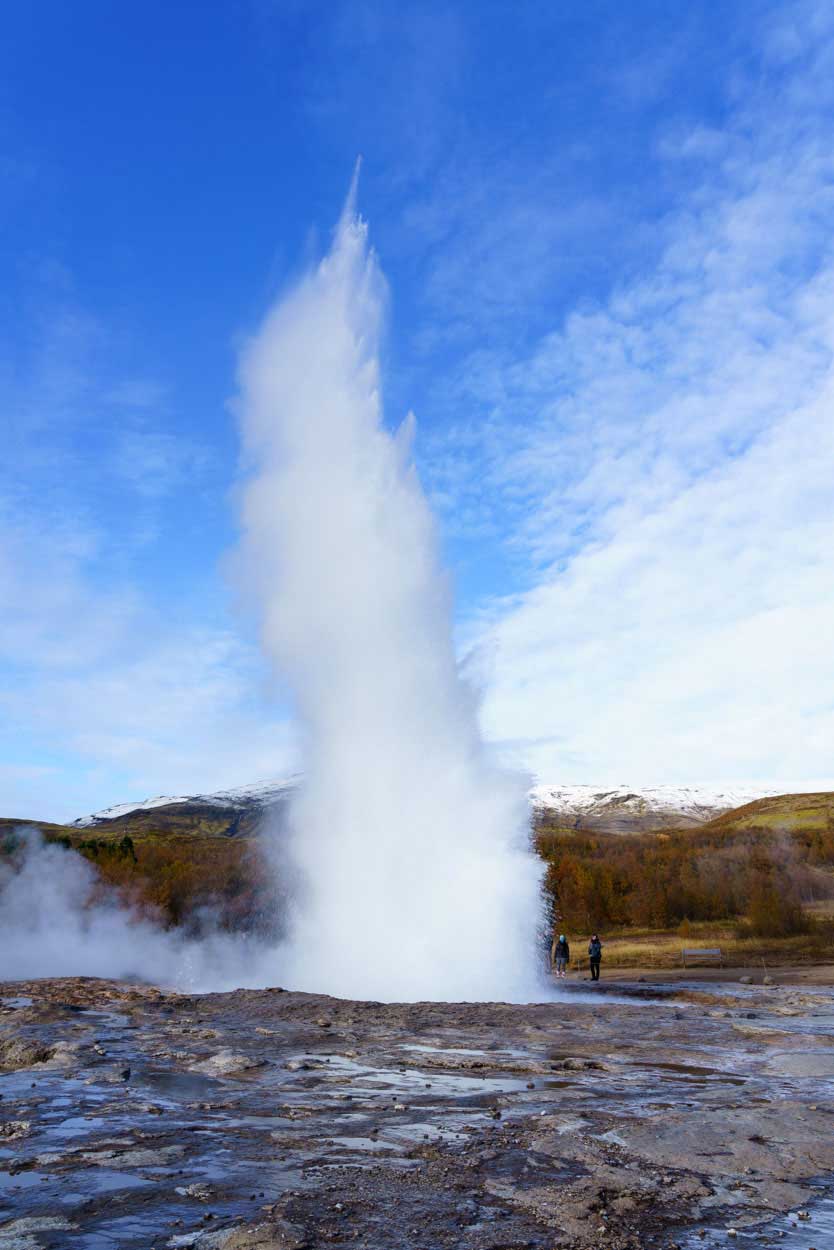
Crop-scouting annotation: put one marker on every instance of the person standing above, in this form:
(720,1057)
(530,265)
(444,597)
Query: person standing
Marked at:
(595,955)
(560,956)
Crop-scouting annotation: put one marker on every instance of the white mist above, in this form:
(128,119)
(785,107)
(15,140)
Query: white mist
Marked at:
(415,879)
(57,919)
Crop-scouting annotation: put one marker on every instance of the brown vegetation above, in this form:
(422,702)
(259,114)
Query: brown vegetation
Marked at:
(761,867)
(764,872)
(177,879)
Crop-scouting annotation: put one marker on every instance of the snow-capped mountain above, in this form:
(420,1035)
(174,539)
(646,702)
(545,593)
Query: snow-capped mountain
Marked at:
(615,809)
(244,798)
(629,809)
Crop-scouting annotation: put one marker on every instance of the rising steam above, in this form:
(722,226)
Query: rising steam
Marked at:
(409,868)
(56,919)
(409,846)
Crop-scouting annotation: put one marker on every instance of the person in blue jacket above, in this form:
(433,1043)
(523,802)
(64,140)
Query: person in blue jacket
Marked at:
(560,956)
(595,955)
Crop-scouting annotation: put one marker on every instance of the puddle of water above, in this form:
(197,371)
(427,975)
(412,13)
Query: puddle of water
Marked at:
(119,1234)
(259,1121)
(77,1126)
(690,1068)
(103,1181)
(16,1001)
(362,1143)
(787,1232)
(402,1084)
(63,1100)
(418,1132)
(446,1050)
(20,1180)
(695,1075)
(111,1019)
(814,1023)
(180,1085)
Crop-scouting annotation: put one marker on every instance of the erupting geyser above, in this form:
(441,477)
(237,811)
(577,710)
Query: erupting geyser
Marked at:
(410,848)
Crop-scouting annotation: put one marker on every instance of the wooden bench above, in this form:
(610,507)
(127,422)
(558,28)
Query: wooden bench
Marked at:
(709,952)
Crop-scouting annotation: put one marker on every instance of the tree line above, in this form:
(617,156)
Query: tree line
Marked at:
(761,878)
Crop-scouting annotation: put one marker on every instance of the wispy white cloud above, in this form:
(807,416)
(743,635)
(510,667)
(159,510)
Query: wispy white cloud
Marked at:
(116,677)
(661,464)
(120,697)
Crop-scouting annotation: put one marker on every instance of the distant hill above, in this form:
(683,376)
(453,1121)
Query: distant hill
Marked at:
(637,809)
(227,813)
(790,813)
(620,810)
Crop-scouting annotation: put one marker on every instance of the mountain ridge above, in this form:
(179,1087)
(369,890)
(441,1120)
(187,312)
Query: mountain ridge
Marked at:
(614,809)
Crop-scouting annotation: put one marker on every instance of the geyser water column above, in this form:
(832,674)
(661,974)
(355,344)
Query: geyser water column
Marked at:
(411,849)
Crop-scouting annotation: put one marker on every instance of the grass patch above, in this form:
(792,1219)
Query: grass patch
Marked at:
(653,948)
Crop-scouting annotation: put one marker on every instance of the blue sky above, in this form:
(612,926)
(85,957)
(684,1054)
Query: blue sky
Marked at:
(607,233)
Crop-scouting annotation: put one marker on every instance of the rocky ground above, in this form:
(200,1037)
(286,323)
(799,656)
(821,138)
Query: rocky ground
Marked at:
(614,1118)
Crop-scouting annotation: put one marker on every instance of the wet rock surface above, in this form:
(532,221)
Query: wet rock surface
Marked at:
(621,1118)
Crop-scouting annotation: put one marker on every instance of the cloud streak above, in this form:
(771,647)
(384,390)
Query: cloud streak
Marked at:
(119,677)
(659,465)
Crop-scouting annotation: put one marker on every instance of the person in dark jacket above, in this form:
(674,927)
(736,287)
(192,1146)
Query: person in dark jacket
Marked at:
(560,955)
(595,955)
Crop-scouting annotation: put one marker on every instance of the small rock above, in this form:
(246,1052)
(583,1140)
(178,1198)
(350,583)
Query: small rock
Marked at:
(323,1023)
(225,1063)
(12,1129)
(199,1191)
(768,981)
(138,1158)
(15,1054)
(36,1224)
(275,1235)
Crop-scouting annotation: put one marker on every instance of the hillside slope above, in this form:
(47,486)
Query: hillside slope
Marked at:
(790,813)
(621,809)
(629,810)
(227,813)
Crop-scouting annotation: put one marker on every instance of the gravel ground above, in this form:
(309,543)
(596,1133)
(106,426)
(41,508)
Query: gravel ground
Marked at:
(620,1117)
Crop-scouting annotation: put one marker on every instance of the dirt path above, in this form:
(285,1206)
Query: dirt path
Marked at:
(131,1117)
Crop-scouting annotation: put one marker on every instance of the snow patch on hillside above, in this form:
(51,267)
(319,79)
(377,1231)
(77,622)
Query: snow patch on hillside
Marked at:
(690,804)
(261,794)
(694,802)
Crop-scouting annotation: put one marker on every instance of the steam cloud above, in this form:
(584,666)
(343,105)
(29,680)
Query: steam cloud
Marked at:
(409,867)
(56,920)
(409,846)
